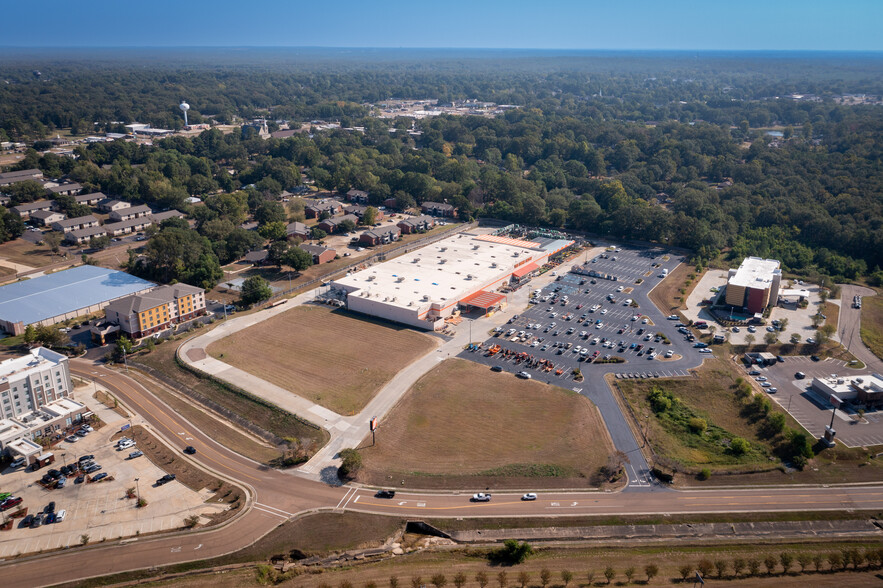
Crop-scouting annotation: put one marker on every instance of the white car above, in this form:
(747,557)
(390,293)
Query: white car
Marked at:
(604,311)
(620,289)
(529,496)
(705,351)
(126,445)
(669,353)
(59,516)
(523,375)
(481,497)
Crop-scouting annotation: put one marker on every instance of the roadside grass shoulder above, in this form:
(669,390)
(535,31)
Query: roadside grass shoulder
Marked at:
(872,323)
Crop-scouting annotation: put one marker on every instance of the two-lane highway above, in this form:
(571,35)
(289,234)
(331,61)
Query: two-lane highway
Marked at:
(279,495)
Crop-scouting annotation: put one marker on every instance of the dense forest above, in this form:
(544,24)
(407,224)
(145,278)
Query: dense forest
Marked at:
(664,147)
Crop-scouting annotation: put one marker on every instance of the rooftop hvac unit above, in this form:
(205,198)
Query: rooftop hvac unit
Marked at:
(370,278)
(476,247)
(494,264)
(443,249)
(400,279)
(516,254)
(416,260)
(469,276)
(425,297)
(443,260)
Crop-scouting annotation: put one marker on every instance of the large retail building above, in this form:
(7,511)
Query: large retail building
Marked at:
(425,286)
(755,285)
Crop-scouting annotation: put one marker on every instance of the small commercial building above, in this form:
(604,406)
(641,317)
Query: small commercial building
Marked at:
(425,286)
(144,314)
(755,285)
(864,391)
(320,254)
(64,295)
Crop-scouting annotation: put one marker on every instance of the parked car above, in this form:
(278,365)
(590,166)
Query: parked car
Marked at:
(38,520)
(99,477)
(523,375)
(10,502)
(71,438)
(60,516)
(61,482)
(126,445)
(165,479)
(17,463)
(92,468)
(496,368)
(799,375)
(135,454)
(85,458)
(481,497)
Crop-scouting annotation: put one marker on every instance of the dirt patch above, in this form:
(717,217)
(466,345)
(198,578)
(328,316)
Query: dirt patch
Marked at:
(832,311)
(667,294)
(628,290)
(27,253)
(334,358)
(186,473)
(509,433)
(109,401)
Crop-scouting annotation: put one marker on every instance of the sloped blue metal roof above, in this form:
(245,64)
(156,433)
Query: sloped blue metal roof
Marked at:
(37,299)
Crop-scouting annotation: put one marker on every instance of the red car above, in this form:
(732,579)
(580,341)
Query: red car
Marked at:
(10,502)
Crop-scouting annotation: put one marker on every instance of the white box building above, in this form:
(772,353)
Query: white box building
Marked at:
(32,381)
(423,287)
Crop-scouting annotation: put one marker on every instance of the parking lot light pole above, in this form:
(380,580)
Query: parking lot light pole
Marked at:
(138,489)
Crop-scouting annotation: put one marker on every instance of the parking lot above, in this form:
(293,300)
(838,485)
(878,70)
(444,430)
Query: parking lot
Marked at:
(579,320)
(100,510)
(810,409)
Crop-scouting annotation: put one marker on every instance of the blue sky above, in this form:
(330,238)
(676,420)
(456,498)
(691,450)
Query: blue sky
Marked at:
(535,24)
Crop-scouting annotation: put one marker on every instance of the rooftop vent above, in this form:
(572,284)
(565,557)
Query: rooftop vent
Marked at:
(425,297)
(494,264)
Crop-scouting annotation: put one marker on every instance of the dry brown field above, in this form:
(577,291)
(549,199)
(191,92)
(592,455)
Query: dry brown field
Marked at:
(462,425)
(336,359)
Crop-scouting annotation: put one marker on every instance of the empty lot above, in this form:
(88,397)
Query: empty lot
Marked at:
(463,426)
(336,359)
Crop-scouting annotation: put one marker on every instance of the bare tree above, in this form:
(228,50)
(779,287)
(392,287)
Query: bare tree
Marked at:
(523,579)
(652,570)
(481,578)
(502,580)
(566,577)
(545,577)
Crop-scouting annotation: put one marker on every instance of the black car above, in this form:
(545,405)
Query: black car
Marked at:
(815,358)
(79,479)
(189,450)
(496,368)
(50,507)
(38,520)
(26,522)
(165,479)
(386,494)
(85,458)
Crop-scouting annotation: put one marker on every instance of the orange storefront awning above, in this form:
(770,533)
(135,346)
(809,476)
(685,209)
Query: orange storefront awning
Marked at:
(524,270)
(483,299)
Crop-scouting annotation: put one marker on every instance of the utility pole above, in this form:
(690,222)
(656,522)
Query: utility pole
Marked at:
(138,489)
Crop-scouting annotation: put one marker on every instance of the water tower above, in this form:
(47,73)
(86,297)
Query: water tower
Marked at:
(184,107)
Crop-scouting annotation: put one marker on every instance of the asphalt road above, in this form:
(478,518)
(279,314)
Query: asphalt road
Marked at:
(280,495)
(849,326)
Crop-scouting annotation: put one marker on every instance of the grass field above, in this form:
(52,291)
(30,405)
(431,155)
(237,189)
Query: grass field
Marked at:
(711,396)
(872,323)
(336,359)
(667,294)
(462,425)
(278,422)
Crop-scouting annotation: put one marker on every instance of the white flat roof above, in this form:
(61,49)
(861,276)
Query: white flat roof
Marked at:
(441,273)
(37,357)
(755,273)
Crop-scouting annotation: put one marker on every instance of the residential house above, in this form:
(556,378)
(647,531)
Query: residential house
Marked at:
(416,224)
(72,224)
(112,204)
(258,257)
(159,217)
(320,254)
(141,315)
(391,203)
(332,225)
(21,175)
(299,230)
(46,217)
(66,189)
(28,208)
(357,196)
(129,213)
(90,199)
(83,236)
(5,200)
(380,236)
(437,209)
(359,211)
(317,209)
(133,225)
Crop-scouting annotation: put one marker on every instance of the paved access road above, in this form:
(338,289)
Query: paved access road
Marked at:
(850,323)
(279,495)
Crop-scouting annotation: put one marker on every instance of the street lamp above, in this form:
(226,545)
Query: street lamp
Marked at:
(138,489)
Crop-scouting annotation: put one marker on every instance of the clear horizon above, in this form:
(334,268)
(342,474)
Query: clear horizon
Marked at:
(587,25)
